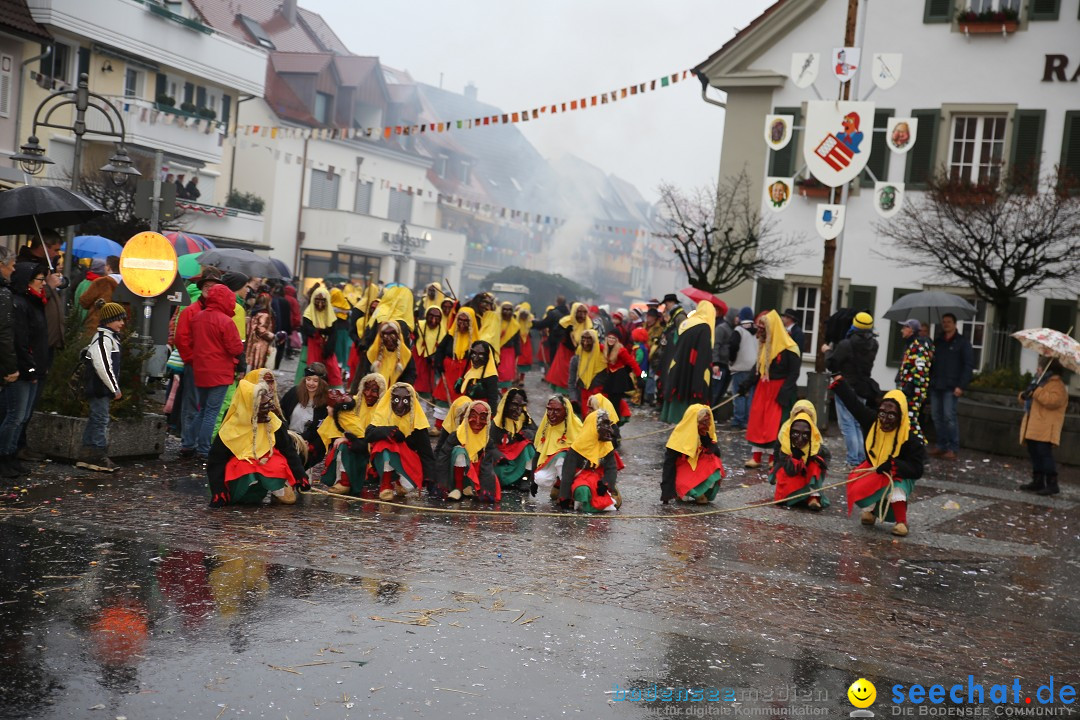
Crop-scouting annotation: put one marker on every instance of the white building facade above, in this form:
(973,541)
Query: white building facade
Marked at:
(986,98)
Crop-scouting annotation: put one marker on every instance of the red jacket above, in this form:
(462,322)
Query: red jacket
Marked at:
(624,359)
(215,340)
(294,306)
(182,339)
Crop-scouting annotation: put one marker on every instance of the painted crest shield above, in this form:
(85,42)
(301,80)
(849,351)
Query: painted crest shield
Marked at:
(778,191)
(830,220)
(778,130)
(837,145)
(804,68)
(845,62)
(900,134)
(886,69)
(888,198)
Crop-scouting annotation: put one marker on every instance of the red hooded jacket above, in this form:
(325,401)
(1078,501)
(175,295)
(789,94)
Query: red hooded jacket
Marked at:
(294,306)
(215,339)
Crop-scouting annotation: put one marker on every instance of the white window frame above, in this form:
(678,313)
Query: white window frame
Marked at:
(137,91)
(976,331)
(992,5)
(977,169)
(809,311)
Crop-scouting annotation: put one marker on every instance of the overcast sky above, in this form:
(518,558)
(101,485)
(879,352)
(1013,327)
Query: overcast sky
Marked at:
(523,53)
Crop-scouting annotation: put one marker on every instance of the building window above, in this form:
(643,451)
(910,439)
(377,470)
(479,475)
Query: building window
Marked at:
(993,5)
(806,304)
(324,190)
(58,64)
(464,171)
(323,105)
(316,264)
(132,83)
(400,209)
(975,331)
(426,273)
(362,203)
(440,165)
(978,144)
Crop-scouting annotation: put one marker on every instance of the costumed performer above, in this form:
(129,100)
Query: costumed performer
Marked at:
(800,459)
(692,466)
(591,468)
(689,373)
(774,380)
(398,443)
(344,435)
(512,449)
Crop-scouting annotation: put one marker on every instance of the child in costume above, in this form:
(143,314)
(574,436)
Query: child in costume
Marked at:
(896,457)
(254,455)
(398,443)
(692,466)
(343,435)
(590,471)
(469,471)
(800,459)
(558,430)
(512,449)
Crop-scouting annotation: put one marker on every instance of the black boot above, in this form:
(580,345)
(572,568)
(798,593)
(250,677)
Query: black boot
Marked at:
(8,470)
(1051,486)
(1038,482)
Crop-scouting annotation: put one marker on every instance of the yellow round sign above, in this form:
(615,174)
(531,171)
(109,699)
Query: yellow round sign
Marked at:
(148,264)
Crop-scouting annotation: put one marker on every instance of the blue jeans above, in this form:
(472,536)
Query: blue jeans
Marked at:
(1042,457)
(740,412)
(189,410)
(19,407)
(96,434)
(852,432)
(947,429)
(210,399)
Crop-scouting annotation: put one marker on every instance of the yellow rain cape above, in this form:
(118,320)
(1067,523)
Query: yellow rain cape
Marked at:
(592,362)
(685,438)
(389,364)
(396,304)
(370,295)
(428,339)
(588,443)
(551,439)
(880,445)
(473,442)
(325,318)
(576,328)
(385,417)
(524,326)
(601,402)
(340,304)
(246,438)
(508,328)
(439,296)
(513,427)
(777,341)
(705,314)
(353,421)
(464,341)
(802,410)
(456,414)
(475,373)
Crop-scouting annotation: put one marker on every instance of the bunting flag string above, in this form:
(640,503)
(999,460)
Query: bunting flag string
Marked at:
(536,112)
(538,220)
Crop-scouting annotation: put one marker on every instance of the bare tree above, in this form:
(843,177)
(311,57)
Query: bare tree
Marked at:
(120,224)
(1001,243)
(720,236)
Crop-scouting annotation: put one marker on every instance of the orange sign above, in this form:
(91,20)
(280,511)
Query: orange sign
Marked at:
(148,264)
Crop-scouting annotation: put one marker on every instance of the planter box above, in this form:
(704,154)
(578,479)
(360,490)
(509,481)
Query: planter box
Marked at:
(815,191)
(987,28)
(60,436)
(990,422)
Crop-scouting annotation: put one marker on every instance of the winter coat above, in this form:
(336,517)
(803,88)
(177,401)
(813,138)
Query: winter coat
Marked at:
(745,346)
(1043,421)
(31,332)
(183,337)
(215,339)
(954,363)
(721,354)
(104,356)
(853,357)
(8,362)
(294,307)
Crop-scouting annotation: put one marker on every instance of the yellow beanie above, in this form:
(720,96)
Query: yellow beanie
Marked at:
(863,321)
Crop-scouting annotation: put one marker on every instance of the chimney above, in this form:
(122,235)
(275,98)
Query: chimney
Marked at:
(288,10)
(470,91)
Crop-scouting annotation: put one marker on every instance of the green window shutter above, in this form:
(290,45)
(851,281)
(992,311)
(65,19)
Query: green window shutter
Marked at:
(770,294)
(862,297)
(896,340)
(1070,149)
(1044,9)
(879,149)
(782,162)
(160,85)
(920,159)
(938,11)
(1060,315)
(1026,151)
(1014,321)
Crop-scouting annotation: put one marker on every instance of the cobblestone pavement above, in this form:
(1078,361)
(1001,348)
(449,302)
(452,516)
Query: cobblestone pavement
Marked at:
(125,595)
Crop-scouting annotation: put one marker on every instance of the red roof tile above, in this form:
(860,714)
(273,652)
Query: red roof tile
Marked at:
(14,16)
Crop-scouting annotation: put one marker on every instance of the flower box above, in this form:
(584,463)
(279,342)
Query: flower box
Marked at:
(60,436)
(988,28)
(814,191)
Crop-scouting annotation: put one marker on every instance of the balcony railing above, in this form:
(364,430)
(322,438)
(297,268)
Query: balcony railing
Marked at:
(174,132)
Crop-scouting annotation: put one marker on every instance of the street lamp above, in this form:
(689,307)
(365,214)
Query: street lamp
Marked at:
(31,156)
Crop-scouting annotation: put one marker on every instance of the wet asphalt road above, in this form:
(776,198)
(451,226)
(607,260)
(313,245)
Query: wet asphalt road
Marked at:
(126,596)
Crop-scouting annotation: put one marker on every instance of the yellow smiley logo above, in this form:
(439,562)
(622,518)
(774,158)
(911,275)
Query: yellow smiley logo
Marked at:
(862,693)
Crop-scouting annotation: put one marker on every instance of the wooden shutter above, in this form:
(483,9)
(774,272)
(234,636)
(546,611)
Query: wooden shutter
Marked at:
(938,11)
(161,85)
(879,149)
(226,106)
(921,157)
(862,297)
(782,162)
(7,62)
(1044,9)
(1060,315)
(1026,153)
(1070,149)
(770,294)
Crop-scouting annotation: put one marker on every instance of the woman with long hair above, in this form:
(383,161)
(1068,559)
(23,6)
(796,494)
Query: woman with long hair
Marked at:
(260,332)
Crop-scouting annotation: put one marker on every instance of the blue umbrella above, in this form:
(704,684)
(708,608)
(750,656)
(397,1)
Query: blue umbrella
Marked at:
(95,246)
(286,272)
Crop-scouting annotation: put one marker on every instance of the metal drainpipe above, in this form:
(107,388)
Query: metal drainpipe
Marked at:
(705,86)
(19,102)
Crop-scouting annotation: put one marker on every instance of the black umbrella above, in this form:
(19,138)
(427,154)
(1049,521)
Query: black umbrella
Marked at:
(240,260)
(929,306)
(28,209)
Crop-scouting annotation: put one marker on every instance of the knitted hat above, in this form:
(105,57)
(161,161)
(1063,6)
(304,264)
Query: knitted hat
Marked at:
(234,280)
(109,311)
(863,321)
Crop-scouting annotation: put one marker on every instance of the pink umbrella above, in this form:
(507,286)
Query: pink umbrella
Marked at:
(185,243)
(1052,343)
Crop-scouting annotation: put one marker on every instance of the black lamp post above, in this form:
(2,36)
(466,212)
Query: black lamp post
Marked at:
(31,156)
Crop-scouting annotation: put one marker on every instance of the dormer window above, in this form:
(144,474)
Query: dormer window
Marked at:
(255,30)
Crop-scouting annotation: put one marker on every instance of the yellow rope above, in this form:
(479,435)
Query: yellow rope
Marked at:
(614,516)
